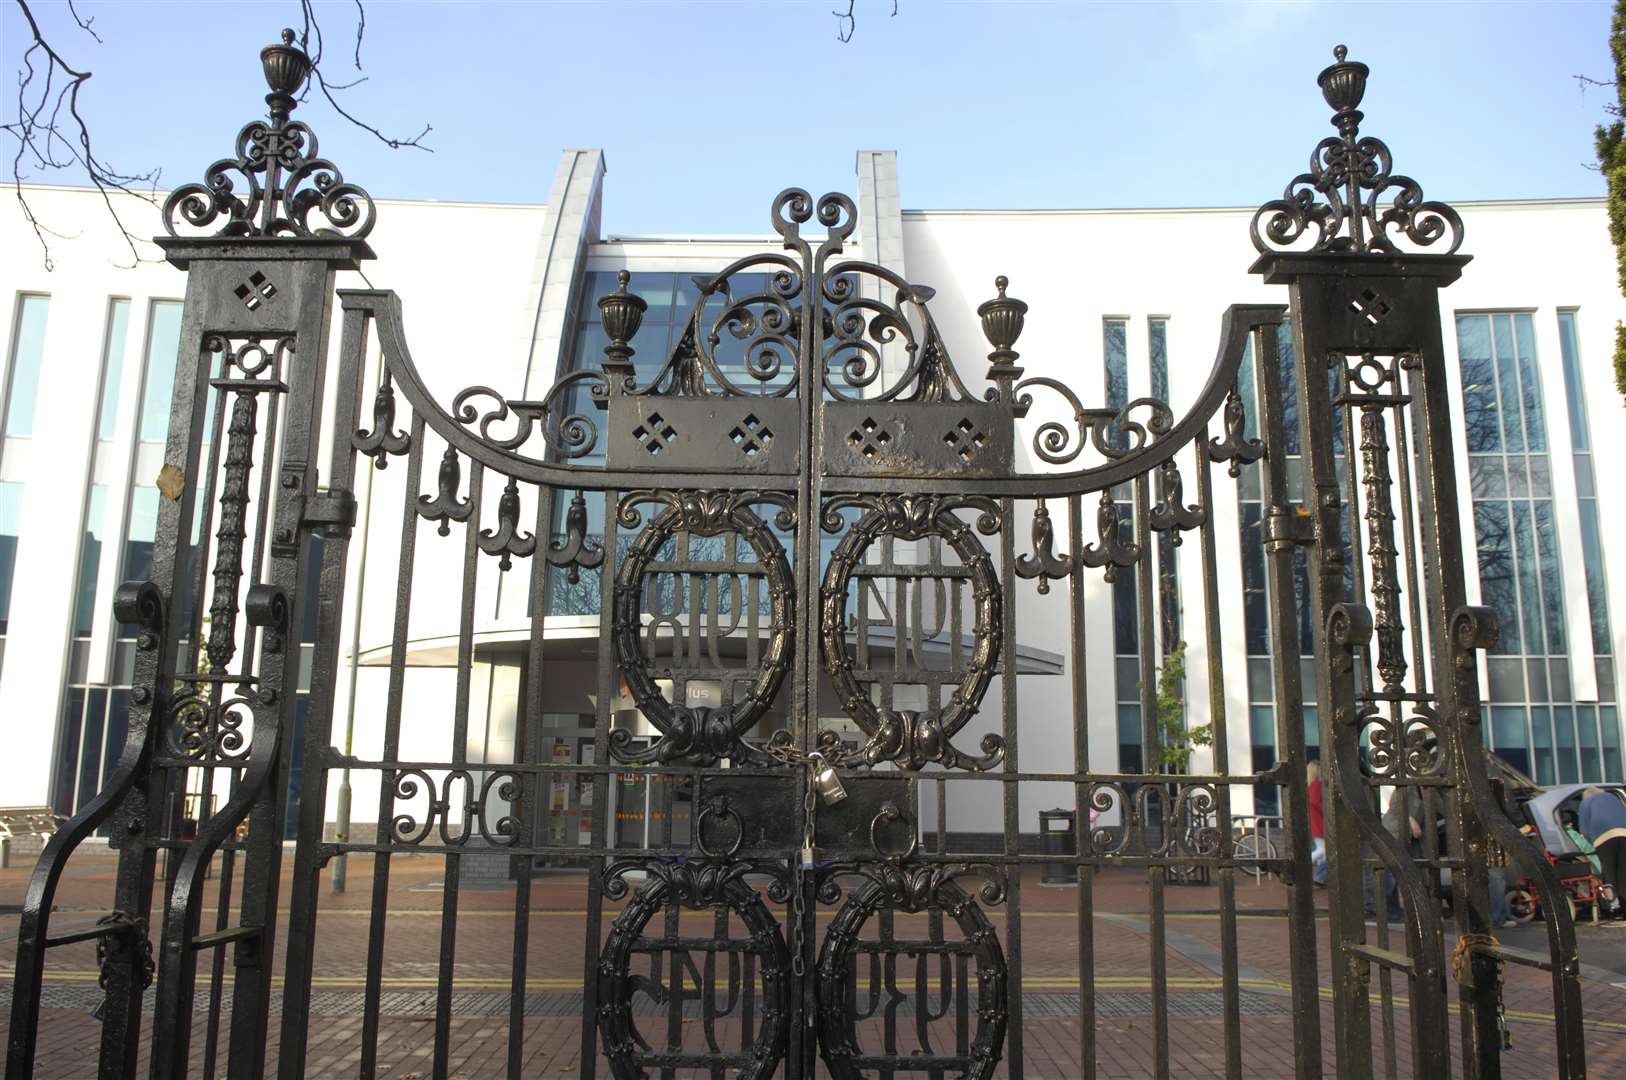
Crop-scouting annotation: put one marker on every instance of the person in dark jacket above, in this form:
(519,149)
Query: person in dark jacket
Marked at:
(1603,821)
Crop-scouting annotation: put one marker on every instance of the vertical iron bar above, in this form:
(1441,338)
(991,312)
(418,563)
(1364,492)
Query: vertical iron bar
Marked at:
(1151,763)
(1008,786)
(1083,842)
(1222,761)
(804,719)
(531,785)
(217,969)
(304,890)
(602,778)
(451,884)
(391,752)
(1290,706)
(1386,980)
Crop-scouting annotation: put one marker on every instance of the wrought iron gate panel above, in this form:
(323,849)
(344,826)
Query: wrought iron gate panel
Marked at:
(719,489)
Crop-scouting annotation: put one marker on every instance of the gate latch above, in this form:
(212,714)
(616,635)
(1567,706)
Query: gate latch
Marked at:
(1285,525)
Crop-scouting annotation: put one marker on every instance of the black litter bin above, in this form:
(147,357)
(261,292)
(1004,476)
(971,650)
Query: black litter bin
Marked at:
(1056,837)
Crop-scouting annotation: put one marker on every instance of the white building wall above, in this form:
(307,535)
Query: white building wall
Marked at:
(467,275)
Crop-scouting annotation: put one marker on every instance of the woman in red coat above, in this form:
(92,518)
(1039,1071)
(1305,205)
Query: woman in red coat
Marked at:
(1318,825)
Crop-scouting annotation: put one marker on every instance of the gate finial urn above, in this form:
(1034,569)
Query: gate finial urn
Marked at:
(1002,322)
(286,66)
(622,312)
(1343,84)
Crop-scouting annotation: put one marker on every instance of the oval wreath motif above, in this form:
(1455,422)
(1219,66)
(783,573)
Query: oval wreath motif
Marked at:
(699,735)
(716,886)
(912,889)
(913,738)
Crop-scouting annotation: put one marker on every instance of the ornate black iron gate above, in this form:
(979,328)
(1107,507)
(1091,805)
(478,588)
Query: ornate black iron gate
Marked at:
(832,524)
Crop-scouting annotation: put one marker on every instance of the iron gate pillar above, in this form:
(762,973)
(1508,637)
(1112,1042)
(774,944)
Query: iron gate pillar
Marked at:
(1397,686)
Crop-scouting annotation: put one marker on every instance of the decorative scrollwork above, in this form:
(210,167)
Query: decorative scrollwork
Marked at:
(1103,798)
(911,517)
(444,506)
(914,888)
(1113,551)
(139,603)
(909,737)
(1401,748)
(1381,551)
(1171,511)
(574,551)
(1475,628)
(698,734)
(506,540)
(207,732)
(1235,447)
(1044,563)
(708,885)
(1352,175)
(1054,442)
(252,358)
(486,802)
(267,606)
(1117,434)
(383,440)
(767,326)
(284,177)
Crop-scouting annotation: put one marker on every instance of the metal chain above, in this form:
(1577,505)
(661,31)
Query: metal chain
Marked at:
(798,903)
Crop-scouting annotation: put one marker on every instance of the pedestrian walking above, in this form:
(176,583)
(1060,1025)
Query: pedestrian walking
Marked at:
(1603,821)
(1318,824)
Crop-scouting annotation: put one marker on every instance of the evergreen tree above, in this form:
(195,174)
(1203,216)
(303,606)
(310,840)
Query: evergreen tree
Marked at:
(1611,145)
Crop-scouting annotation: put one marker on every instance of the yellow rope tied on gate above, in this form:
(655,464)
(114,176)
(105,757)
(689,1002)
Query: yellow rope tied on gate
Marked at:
(1460,956)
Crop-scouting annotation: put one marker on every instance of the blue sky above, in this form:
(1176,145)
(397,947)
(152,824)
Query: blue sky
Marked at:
(705,110)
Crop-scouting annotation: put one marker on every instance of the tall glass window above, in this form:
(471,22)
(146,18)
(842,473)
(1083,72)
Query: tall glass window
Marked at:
(1125,608)
(95,716)
(1255,577)
(1536,725)
(1592,551)
(27,357)
(11,519)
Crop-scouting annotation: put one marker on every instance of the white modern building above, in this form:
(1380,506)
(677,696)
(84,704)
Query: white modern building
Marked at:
(1122,302)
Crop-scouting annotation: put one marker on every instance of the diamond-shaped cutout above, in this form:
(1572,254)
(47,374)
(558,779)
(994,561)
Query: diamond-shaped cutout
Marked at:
(1371,305)
(751,435)
(654,434)
(256,292)
(869,439)
(965,439)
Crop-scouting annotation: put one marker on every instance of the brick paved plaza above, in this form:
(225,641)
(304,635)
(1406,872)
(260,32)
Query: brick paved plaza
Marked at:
(1123,1044)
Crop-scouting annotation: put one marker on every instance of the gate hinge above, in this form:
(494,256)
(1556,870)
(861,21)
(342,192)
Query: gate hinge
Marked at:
(333,511)
(1285,525)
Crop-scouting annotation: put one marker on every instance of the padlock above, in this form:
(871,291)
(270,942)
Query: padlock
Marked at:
(825,781)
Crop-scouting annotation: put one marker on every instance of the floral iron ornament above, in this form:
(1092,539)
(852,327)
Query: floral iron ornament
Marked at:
(284,175)
(1351,175)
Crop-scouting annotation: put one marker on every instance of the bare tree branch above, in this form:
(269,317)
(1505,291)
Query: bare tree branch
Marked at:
(313,27)
(850,18)
(47,142)
(84,24)
(52,135)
